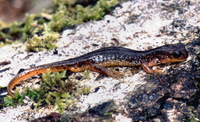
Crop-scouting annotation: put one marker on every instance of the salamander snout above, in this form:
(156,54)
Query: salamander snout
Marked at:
(179,54)
(174,53)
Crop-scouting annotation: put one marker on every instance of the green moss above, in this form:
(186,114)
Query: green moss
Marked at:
(18,99)
(46,41)
(68,16)
(84,91)
(86,74)
(41,33)
(53,90)
(8,101)
(62,94)
(65,2)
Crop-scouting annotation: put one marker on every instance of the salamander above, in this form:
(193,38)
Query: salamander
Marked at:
(108,57)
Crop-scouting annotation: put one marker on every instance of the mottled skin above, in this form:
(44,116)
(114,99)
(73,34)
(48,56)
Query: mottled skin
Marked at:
(106,57)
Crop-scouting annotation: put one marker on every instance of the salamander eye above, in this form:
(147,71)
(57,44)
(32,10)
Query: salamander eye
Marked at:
(176,54)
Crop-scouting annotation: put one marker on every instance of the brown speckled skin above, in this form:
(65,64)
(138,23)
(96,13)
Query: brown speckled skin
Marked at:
(106,57)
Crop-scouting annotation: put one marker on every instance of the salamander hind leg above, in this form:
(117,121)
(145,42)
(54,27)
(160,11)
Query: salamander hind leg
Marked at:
(105,71)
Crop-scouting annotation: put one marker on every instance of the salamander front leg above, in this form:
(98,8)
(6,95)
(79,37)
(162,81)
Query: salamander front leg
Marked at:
(105,71)
(148,69)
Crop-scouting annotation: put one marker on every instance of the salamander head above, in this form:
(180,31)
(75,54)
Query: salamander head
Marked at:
(173,53)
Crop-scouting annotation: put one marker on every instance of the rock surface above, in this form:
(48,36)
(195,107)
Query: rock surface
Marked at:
(172,96)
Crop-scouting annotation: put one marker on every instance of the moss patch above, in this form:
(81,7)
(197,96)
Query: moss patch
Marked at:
(54,90)
(40,32)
